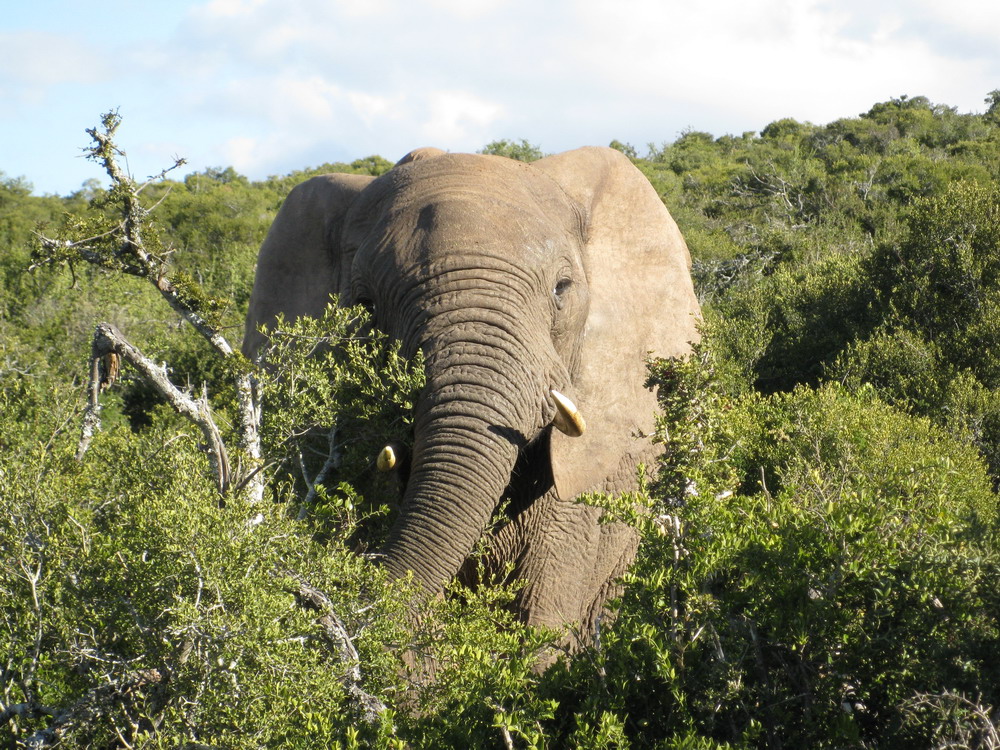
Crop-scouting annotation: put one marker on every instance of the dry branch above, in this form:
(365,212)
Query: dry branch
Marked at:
(89,707)
(332,463)
(108,345)
(337,637)
(124,249)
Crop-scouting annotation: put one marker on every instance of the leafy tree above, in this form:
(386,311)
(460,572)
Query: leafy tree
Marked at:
(993,112)
(626,148)
(522,151)
(373,165)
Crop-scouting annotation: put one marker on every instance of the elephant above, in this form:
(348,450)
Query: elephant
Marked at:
(535,292)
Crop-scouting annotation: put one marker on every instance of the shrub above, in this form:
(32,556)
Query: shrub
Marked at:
(785,329)
(833,559)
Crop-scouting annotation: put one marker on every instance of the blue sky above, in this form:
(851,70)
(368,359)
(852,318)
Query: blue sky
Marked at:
(270,86)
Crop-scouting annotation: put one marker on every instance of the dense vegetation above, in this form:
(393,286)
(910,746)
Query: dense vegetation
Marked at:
(820,558)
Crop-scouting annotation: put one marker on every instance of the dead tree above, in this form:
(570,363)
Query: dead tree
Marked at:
(123,247)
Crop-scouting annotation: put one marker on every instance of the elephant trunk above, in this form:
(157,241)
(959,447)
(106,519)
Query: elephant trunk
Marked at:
(483,402)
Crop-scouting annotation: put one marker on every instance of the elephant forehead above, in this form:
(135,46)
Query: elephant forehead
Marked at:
(448,228)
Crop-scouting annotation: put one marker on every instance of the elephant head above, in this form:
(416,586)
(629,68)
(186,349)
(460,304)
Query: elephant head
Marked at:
(523,285)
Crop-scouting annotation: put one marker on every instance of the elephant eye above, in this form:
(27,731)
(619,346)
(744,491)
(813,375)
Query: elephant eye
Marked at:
(560,290)
(368,304)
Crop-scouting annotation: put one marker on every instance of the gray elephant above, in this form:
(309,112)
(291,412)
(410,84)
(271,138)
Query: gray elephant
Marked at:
(529,288)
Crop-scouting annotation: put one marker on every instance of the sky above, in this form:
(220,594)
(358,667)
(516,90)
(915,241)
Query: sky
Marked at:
(272,86)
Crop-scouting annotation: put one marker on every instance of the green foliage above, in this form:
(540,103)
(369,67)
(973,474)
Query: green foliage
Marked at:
(130,591)
(819,555)
(937,292)
(338,393)
(521,151)
(373,165)
(788,327)
(943,277)
(626,148)
(799,192)
(829,558)
(485,688)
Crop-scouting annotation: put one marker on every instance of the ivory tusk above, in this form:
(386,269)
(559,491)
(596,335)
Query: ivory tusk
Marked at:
(386,460)
(568,419)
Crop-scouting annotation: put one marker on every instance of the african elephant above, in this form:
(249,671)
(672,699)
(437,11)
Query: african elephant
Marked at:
(516,281)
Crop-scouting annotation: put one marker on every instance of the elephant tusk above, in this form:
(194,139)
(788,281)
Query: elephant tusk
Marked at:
(386,460)
(568,419)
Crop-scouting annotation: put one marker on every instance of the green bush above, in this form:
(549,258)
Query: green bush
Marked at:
(785,329)
(831,559)
(139,607)
(521,151)
(937,297)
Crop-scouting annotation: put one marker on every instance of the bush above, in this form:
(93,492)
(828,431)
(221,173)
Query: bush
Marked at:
(833,558)
(784,330)
(141,608)
(521,151)
(138,608)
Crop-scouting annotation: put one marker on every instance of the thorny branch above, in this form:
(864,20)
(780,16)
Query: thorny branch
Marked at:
(959,721)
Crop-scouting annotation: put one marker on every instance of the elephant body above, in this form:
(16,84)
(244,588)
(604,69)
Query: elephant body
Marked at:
(514,280)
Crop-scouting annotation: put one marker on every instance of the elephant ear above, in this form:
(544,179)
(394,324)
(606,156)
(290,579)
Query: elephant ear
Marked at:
(300,263)
(642,301)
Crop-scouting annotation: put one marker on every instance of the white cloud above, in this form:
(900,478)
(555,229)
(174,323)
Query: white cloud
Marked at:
(280,83)
(468,8)
(305,103)
(976,18)
(371,108)
(761,59)
(34,60)
(228,9)
(456,116)
(244,153)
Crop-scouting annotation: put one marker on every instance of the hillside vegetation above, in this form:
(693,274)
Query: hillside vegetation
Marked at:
(820,563)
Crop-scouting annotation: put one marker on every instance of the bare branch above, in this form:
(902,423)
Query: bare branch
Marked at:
(89,707)
(124,249)
(340,641)
(333,460)
(109,344)
(24,711)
